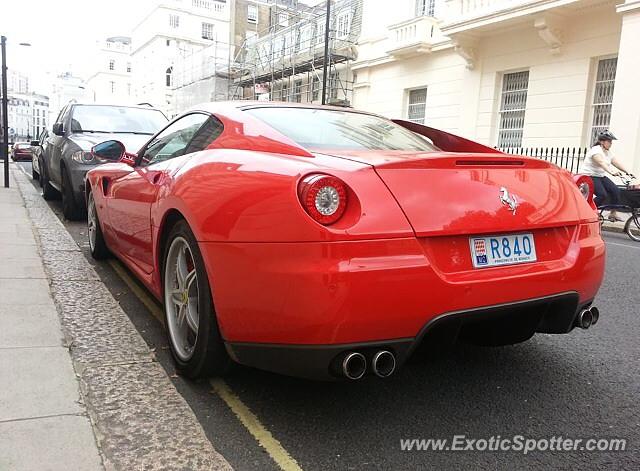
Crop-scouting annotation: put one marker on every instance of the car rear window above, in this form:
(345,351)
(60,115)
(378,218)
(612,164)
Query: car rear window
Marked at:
(334,129)
(116,119)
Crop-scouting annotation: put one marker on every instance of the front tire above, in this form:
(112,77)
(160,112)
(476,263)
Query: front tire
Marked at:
(35,175)
(70,207)
(97,244)
(192,327)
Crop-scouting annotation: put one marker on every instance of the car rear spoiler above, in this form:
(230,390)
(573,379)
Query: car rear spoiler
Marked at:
(445,141)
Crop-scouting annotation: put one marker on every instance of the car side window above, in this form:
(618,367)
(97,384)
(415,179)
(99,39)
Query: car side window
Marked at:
(59,118)
(208,133)
(173,141)
(64,119)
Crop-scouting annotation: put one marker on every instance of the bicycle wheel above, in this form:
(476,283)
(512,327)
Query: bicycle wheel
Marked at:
(632,226)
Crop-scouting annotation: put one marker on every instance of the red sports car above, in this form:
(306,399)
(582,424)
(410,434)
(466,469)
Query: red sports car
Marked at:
(323,242)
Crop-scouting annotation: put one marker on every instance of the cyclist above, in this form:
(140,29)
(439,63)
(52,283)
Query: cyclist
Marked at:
(599,162)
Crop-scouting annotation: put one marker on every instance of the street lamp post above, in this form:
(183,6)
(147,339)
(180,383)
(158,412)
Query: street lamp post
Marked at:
(5,111)
(5,114)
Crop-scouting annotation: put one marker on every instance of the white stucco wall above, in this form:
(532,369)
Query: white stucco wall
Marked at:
(464,101)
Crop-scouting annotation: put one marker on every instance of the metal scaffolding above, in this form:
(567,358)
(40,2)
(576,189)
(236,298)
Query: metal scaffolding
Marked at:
(285,61)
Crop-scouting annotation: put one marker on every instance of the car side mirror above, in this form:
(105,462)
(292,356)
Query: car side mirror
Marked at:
(35,143)
(111,151)
(58,129)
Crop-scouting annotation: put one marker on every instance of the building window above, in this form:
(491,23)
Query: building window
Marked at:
(305,36)
(416,110)
(252,14)
(113,86)
(297,91)
(425,7)
(343,26)
(168,42)
(603,96)
(284,94)
(169,77)
(128,66)
(513,104)
(174,21)
(315,88)
(207,31)
(112,64)
(320,26)
(129,89)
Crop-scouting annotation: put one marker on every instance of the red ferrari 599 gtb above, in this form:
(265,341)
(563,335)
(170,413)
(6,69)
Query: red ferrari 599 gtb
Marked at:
(324,243)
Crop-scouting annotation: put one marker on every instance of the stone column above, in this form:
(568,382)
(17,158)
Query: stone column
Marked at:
(625,112)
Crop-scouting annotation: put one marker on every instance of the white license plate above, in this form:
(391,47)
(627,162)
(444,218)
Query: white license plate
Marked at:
(502,250)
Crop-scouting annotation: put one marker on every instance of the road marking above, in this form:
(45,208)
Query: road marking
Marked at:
(264,438)
(138,291)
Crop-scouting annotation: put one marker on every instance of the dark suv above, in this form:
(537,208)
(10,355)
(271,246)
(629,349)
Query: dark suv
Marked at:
(67,157)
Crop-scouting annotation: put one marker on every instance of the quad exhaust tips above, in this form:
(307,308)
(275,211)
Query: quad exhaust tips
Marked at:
(354,364)
(588,317)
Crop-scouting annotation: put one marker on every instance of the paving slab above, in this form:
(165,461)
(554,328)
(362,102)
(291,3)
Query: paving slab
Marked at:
(37,382)
(63,443)
(25,268)
(13,251)
(21,292)
(29,326)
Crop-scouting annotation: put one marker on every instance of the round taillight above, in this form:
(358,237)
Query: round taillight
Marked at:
(323,197)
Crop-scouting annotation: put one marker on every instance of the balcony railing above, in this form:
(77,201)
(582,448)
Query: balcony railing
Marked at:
(412,37)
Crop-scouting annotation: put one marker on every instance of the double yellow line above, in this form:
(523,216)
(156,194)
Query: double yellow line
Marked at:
(247,418)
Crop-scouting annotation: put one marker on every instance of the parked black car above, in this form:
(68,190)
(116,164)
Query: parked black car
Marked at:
(67,156)
(37,149)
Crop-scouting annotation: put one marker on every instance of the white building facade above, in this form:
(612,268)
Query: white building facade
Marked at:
(65,88)
(111,83)
(508,73)
(171,32)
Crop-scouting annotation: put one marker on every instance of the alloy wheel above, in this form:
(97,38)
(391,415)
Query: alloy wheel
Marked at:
(181,298)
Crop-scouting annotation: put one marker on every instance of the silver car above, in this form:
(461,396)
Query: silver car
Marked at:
(67,156)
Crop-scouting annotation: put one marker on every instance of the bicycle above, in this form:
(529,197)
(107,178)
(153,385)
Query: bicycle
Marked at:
(632,196)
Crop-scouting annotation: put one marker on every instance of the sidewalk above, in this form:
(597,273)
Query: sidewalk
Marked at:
(81,389)
(43,423)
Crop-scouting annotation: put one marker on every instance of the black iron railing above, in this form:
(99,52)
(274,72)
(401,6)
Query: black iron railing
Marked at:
(568,158)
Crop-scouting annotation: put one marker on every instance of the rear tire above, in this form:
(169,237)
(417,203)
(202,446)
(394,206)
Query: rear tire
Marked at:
(198,352)
(97,244)
(632,226)
(70,207)
(48,192)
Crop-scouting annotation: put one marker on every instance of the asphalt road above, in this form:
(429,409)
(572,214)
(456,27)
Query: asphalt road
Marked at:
(582,385)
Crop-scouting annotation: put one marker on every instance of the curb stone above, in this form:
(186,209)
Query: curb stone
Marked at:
(140,420)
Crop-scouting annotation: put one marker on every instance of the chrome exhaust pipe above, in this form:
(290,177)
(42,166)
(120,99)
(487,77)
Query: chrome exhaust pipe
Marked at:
(384,363)
(585,319)
(354,365)
(595,314)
